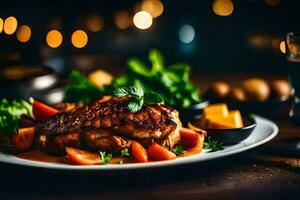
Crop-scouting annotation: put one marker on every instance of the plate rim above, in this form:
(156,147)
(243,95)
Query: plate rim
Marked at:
(142,166)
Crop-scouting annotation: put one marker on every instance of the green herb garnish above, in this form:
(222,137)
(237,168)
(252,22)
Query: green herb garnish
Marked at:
(138,97)
(10,115)
(172,82)
(125,153)
(105,158)
(178,150)
(213,145)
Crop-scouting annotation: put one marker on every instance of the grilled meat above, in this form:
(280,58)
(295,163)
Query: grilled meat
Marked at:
(109,125)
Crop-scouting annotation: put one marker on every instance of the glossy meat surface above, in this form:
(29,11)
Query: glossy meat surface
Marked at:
(108,125)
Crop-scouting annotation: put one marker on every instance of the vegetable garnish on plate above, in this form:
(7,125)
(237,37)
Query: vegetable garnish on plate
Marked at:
(138,97)
(213,145)
(42,111)
(10,115)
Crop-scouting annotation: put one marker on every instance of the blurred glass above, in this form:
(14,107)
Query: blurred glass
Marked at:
(293,57)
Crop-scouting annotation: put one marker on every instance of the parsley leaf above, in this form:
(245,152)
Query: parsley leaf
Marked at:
(105,158)
(213,145)
(138,97)
(125,152)
(135,106)
(131,91)
(178,150)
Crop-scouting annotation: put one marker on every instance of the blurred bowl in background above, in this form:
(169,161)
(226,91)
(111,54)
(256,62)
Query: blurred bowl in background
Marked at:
(24,81)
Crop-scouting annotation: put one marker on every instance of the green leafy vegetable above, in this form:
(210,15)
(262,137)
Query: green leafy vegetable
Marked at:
(178,150)
(82,90)
(138,97)
(172,83)
(105,158)
(213,145)
(10,115)
(125,153)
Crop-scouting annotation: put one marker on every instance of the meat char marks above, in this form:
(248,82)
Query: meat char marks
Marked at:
(107,124)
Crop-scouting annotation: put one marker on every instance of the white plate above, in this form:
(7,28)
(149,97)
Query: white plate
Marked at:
(264,131)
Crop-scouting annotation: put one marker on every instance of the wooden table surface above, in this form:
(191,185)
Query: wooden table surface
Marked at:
(256,174)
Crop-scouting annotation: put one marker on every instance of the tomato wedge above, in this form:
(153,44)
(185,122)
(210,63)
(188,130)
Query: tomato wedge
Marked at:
(188,137)
(42,111)
(158,153)
(23,140)
(199,147)
(81,157)
(139,153)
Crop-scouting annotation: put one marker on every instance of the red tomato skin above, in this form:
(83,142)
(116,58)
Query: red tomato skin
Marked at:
(81,157)
(42,111)
(188,137)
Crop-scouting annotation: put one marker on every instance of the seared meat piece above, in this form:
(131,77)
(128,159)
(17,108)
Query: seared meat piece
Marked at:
(57,144)
(109,125)
(97,139)
(89,138)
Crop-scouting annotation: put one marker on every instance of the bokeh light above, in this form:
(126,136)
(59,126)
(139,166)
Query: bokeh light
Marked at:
(272,2)
(142,20)
(94,23)
(10,25)
(23,33)
(282,47)
(1,25)
(154,7)
(223,7)
(79,39)
(122,19)
(54,38)
(186,34)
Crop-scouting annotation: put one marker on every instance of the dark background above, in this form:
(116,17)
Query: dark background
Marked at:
(246,41)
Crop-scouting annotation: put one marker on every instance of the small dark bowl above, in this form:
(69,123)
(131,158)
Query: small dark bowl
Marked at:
(189,114)
(233,135)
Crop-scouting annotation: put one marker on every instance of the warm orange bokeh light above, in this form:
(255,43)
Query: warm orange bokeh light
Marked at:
(1,25)
(23,33)
(79,39)
(54,38)
(282,47)
(142,20)
(94,23)
(10,25)
(154,7)
(123,19)
(223,7)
